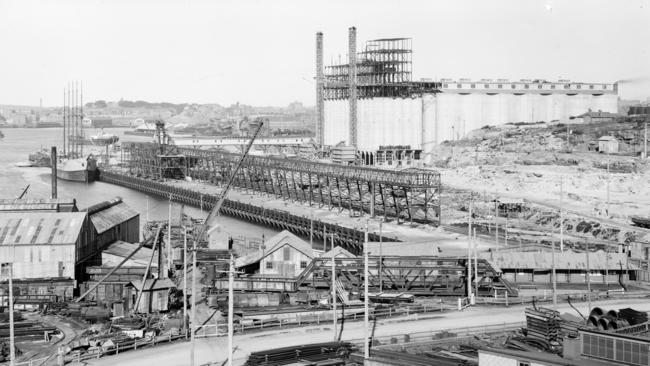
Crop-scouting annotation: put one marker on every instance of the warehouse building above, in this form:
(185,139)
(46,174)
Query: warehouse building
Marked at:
(284,255)
(44,248)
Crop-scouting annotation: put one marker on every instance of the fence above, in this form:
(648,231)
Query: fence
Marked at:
(221,329)
(33,362)
(122,346)
(578,296)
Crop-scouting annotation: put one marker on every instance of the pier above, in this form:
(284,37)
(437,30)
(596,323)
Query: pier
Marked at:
(349,238)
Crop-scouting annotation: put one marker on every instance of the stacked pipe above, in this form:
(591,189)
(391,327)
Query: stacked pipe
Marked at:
(614,320)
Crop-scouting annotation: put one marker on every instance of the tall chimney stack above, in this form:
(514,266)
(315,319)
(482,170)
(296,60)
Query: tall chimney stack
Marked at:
(320,104)
(352,84)
(54,160)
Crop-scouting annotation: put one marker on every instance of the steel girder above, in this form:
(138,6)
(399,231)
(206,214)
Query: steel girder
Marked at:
(411,195)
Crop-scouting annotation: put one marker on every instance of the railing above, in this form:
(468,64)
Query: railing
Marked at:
(578,296)
(221,329)
(134,344)
(32,362)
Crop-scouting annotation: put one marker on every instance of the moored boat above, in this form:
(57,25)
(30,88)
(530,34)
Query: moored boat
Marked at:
(641,221)
(77,170)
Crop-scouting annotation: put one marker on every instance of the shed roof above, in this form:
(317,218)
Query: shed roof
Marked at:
(123,249)
(564,261)
(337,252)
(49,204)
(275,243)
(607,138)
(153,284)
(40,228)
(112,216)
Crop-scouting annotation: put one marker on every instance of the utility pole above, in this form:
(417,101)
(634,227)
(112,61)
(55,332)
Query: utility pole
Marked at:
(475,264)
(469,253)
(231,302)
(366,346)
(608,179)
(193,321)
(311,232)
(147,199)
(553,273)
(496,223)
(12,351)
(185,280)
(588,278)
(169,238)
(561,216)
(645,141)
(381,258)
(333,291)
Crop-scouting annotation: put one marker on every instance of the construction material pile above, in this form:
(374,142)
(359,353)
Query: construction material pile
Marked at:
(543,324)
(632,316)
(618,321)
(307,352)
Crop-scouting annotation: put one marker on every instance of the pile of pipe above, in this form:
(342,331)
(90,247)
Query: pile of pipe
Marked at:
(614,320)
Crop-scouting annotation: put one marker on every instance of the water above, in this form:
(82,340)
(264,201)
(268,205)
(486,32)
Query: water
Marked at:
(18,143)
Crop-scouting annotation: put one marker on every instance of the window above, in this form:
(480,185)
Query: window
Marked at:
(539,86)
(459,86)
(487,86)
(513,86)
(269,265)
(527,86)
(303,264)
(500,86)
(591,86)
(604,86)
(567,86)
(579,86)
(523,363)
(473,86)
(445,85)
(287,253)
(553,86)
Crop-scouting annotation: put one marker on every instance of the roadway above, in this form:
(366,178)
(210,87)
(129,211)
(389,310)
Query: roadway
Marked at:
(214,350)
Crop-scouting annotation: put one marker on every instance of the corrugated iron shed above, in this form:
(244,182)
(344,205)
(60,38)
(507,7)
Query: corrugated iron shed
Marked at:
(563,261)
(112,216)
(36,228)
(273,244)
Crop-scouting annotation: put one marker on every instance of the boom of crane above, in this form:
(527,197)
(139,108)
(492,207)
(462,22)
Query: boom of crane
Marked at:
(210,220)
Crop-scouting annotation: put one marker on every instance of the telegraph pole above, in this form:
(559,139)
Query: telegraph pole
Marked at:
(169,237)
(475,264)
(588,278)
(608,179)
(366,346)
(333,290)
(561,216)
(185,280)
(553,273)
(231,302)
(193,322)
(381,259)
(12,351)
(496,223)
(469,253)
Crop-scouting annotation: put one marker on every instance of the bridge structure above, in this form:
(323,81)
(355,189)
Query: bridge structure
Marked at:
(411,195)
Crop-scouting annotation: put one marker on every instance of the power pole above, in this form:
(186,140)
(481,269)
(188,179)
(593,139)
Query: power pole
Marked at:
(561,216)
(12,351)
(381,259)
(645,141)
(311,232)
(496,223)
(366,346)
(553,273)
(588,278)
(333,292)
(608,179)
(169,237)
(193,321)
(185,280)
(475,264)
(469,253)
(231,302)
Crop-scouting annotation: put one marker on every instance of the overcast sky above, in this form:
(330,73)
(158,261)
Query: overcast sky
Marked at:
(263,52)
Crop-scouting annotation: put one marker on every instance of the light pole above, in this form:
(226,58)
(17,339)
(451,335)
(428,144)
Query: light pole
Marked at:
(185,280)
(193,322)
(12,351)
(334,316)
(469,253)
(381,259)
(231,301)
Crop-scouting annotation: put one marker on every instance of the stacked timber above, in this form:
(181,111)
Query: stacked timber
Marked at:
(26,329)
(543,324)
(344,154)
(4,317)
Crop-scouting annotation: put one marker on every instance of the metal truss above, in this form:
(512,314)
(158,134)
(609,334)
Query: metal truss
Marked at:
(411,195)
(420,275)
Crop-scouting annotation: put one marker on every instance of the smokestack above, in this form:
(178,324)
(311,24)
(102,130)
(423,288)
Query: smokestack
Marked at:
(320,113)
(352,83)
(54,160)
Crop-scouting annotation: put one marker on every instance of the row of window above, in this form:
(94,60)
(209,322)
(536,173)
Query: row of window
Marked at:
(622,350)
(526,86)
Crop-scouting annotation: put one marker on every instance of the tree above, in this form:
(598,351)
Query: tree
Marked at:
(100,104)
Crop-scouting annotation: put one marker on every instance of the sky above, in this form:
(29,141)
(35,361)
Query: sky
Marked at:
(262,52)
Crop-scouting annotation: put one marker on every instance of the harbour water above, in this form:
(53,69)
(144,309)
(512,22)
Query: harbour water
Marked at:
(18,143)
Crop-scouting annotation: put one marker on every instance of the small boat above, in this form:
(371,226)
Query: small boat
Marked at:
(104,139)
(77,170)
(641,221)
(144,129)
(40,158)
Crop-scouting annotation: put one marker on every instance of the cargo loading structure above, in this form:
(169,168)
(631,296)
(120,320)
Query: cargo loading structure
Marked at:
(382,106)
